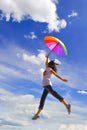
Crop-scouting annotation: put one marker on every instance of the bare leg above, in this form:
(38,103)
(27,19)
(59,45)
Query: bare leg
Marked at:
(38,112)
(41,105)
(68,106)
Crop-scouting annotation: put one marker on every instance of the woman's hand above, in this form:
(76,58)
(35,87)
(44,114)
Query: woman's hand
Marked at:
(47,56)
(65,80)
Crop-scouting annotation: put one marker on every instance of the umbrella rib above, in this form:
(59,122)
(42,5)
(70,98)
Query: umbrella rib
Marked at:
(53,49)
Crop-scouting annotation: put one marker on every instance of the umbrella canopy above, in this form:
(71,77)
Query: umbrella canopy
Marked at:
(55,45)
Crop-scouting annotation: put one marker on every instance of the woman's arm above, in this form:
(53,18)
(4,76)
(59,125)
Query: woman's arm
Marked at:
(46,62)
(53,72)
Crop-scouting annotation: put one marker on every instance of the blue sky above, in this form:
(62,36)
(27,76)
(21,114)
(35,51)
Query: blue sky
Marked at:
(23,25)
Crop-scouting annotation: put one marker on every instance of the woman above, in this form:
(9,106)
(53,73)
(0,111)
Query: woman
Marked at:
(47,85)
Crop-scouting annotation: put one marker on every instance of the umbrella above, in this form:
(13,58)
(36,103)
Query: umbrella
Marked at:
(55,45)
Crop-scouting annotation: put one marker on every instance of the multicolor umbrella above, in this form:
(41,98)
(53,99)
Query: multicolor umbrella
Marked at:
(55,45)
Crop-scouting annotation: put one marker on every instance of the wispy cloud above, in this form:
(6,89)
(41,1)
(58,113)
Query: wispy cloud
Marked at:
(73,14)
(74,75)
(30,36)
(82,92)
(17,111)
(38,11)
(17,63)
(39,59)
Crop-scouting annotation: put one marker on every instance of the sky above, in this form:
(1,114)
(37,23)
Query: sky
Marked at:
(23,26)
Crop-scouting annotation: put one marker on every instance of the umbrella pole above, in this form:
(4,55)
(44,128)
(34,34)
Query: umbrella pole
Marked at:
(49,53)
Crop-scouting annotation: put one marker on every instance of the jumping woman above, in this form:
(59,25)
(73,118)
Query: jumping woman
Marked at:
(47,85)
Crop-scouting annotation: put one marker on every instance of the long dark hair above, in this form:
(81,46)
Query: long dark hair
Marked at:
(52,65)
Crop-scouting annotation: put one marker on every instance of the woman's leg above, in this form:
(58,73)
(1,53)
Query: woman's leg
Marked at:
(42,101)
(54,93)
(59,97)
(68,106)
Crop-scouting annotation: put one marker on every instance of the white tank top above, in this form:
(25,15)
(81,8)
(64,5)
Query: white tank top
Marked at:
(46,77)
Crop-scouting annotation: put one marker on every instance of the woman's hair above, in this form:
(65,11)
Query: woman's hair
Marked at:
(52,65)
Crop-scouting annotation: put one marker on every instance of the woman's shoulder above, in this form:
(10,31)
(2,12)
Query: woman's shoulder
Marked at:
(48,68)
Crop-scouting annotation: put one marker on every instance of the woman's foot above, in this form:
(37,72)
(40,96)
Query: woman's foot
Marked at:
(69,108)
(35,117)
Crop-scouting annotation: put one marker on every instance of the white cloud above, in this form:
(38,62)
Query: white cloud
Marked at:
(34,59)
(17,111)
(57,25)
(30,36)
(73,14)
(72,127)
(38,11)
(8,72)
(82,92)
